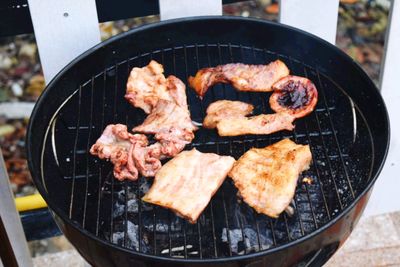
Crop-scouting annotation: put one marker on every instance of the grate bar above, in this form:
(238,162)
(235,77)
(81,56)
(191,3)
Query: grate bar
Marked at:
(318,173)
(126,214)
(327,159)
(334,134)
(190,104)
(184,221)
(84,127)
(100,165)
(202,110)
(126,182)
(228,235)
(296,138)
(115,115)
(308,193)
(112,207)
(275,55)
(230,141)
(74,152)
(314,134)
(294,198)
(314,165)
(169,214)
(87,155)
(256,140)
(271,226)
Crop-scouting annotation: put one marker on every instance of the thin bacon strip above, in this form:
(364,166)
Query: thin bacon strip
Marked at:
(254,78)
(260,124)
(229,118)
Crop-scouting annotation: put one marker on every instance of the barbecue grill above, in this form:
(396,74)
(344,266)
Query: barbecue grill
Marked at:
(105,219)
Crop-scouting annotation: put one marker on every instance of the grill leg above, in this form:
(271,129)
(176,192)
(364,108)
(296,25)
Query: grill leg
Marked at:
(13,248)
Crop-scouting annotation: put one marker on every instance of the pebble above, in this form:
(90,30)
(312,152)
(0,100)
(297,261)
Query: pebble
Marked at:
(17,89)
(5,62)
(245,14)
(28,50)
(6,129)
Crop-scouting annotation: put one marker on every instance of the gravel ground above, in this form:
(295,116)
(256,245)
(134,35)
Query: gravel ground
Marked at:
(361,31)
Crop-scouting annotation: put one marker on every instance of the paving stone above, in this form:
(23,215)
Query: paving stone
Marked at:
(396,220)
(388,256)
(69,258)
(373,232)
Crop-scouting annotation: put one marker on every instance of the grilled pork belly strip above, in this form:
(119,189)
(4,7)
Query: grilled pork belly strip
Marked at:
(186,183)
(225,109)
(267,177)
(260,124)
(255,78)
(229,119)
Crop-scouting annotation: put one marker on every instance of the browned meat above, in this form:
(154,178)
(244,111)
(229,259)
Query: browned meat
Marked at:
(267,177)
(171,125)
(147,85)
(177,90)
(225,109)
(147,159)
(129,153)
(165,116)
(294,95)
(117,145)
(256,78)
(186,183)
(260,124)
(169,117)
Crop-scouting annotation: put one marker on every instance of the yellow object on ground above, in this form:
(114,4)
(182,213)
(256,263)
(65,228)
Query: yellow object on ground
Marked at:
(31,202)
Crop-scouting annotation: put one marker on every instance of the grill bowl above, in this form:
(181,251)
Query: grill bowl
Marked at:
(348,134)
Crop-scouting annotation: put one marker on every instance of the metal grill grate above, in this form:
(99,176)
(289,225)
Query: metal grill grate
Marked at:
(112,210)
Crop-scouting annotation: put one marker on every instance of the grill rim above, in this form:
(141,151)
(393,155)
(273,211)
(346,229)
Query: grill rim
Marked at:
(65,220)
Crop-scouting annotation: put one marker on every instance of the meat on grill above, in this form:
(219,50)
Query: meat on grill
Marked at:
(165,116)
(267,177)
(255,78)
(169,120)
(186,183)
(147,159)
(229,117)
(225,109)
(117,145)
(131,154)
(147,85)
(260,124)
(294,95)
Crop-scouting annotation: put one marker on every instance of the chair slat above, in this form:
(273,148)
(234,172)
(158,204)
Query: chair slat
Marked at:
(315,16)
(171,9)
(63,30)
(9,220)
(386,190)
